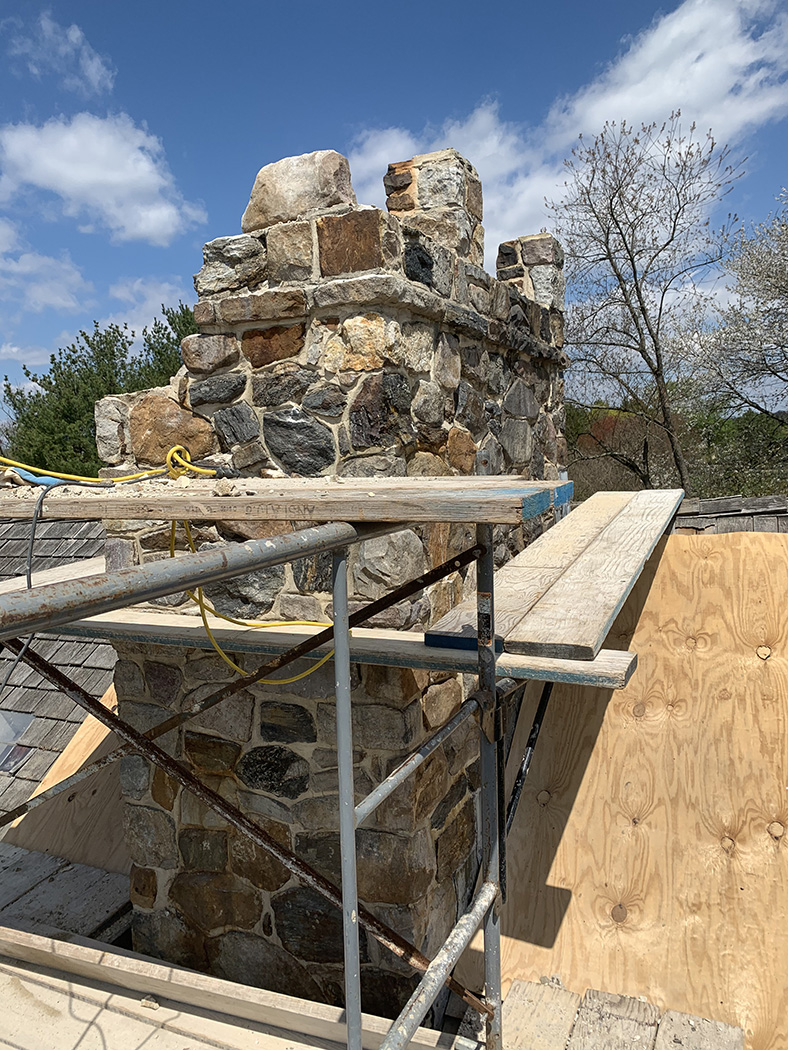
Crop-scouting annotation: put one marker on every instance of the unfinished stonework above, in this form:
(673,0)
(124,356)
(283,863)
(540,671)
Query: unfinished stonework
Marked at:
(335,339)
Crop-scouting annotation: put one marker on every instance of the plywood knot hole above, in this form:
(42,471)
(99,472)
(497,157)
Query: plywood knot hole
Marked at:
(727,844)
(691,642)
(670,707)
(543,798)
(764,651)
(776,829)
(639,710)
(618,913)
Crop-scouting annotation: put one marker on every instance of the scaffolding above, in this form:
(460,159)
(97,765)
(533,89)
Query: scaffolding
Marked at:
(58,604)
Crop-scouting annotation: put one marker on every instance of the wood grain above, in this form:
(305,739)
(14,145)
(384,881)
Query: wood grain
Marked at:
(528,576)
(538,1016)
(649,853)
(573,618)
(614,1022)
(84,825)
(462,500)
(611,669)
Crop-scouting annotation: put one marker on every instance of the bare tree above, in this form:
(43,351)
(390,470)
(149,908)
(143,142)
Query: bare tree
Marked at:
(747,355)
(635,222)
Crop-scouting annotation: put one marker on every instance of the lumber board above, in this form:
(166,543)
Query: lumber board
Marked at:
(529,575)
(467,499)
(611,668)
(573,618)
(538,1016)
(84,825)
(607,1021)
(83,958)
(649,855)
(75,897)
(74,570)
(679,1031)
(21,871)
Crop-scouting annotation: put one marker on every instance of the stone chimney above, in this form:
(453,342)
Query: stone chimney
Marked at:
(339,340)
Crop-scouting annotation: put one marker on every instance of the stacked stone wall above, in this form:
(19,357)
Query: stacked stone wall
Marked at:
(344,341)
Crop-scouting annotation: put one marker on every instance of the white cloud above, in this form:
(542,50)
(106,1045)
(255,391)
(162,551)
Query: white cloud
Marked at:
(51,48)
(106,171)
(142,299)
(722,62)
(35,282)
(32,356)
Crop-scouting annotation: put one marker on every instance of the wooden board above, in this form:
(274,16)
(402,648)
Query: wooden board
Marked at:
(649,855)
(681,1032)
(466,499)
(538,1016)
(614,1022)
(85,959)
(611,669)
(84,825)
(36,887)
(528,576)
(575,615)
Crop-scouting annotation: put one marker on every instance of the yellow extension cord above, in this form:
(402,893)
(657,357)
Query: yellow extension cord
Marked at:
(178,463)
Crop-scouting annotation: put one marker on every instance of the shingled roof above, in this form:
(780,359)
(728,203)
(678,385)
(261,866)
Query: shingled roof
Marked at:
(37,720)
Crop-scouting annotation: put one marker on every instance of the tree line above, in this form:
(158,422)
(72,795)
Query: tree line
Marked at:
(678,331)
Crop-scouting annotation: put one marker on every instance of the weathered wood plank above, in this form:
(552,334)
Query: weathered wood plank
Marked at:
(614,1022)
(538,1016)
(21,871)
(127,970)
(464,500)
(73,897)
(684,1032)
(529,575)
(573,619)
(611,669)
(84,825)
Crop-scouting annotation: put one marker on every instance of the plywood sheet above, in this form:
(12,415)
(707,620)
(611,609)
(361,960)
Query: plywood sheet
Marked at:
(649,854)
(84,825)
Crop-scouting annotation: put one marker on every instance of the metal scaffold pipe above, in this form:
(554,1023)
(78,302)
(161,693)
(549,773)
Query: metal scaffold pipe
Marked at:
(54,604)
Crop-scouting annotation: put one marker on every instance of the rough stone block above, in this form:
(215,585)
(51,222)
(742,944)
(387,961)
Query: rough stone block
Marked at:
(142,887)
(263,346)
(156,423)
(301,444)
(247,597)
(274,304)
(520,401)
(213,901)
(166,935)
(218,389)
(257,865)
(360,240)
(393,685)
(461,450)
(112,429)
(207,353)
(150,837)
(284,382)
(276,770)
(134,776)
(231,719)
(516,438)
(163,681)
(310,927)
(210,753)
(290,251)
(456,842)
(441,701)
(203,850)
(386,562)
(375,726)
(230,263)
(236,424)
(286,723)
(540,249)
(297,187)
(249,959)
(428,403)
(380,412)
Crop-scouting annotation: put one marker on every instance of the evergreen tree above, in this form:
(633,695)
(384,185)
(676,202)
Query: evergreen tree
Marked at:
(53,425)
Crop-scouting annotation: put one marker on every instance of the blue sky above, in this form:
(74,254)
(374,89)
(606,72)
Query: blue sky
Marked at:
(130,134)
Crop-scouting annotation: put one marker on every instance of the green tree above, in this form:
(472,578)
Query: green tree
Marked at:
(53,425)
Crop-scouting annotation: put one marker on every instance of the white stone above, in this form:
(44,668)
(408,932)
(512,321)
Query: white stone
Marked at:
(298,187)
